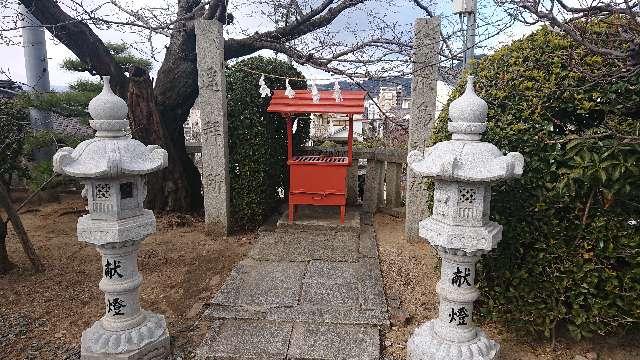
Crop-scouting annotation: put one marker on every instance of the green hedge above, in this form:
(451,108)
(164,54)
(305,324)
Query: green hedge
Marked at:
(570,254)
(17,143)
(14,122)
(258,140)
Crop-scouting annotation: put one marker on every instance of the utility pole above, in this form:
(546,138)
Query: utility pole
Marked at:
(467,10)
(37,69)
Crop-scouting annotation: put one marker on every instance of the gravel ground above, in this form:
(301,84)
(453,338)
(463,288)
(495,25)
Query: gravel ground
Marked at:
(410,273)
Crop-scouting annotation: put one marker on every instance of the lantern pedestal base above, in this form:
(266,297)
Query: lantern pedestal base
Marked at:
(148,341)
(425,344)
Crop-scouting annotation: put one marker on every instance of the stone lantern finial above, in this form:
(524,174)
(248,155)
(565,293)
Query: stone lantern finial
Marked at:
(460,229)
(468,115)
(109,113)
(107,105)
(111,166)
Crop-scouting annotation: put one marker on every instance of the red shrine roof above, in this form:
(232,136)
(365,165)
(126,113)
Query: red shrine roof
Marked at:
(352,102)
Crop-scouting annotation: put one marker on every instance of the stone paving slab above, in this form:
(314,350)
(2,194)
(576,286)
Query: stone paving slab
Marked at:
(330,294)
(262,284)
(311,217)
(330,314)
(323,286)
(338,292)
(370,285)
(301,245)
(367,246)
(245,339)
(333,342)
(304,313)
(331,272)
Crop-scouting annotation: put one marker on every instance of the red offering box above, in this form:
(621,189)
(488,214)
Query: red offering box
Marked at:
(314,179)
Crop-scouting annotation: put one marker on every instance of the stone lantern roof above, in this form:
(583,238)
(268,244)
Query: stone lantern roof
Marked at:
(465,157)
(112,152)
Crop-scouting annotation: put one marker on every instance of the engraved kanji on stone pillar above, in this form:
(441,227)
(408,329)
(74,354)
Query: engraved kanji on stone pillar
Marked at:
(112,166)
(459,228)
(213,119)
(423,109)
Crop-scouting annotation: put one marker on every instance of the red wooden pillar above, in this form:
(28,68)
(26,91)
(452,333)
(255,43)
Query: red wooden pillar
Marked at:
(350,140)
(289,138)
(343,208)
(292,207)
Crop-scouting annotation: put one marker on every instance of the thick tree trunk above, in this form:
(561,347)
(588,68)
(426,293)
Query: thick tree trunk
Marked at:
(5,264)
(168,189)
(176,90)
(13,216)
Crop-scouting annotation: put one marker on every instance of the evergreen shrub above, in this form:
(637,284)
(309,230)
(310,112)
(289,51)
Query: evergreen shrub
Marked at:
(258,140)
(569,258)
(14,122)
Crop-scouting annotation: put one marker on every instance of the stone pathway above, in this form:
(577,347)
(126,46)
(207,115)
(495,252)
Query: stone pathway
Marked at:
(303,293)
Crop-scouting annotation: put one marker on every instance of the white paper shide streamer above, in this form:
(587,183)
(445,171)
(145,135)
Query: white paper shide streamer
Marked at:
(264,90)
(289,91)
(295,125)
(337,92)
(315,94)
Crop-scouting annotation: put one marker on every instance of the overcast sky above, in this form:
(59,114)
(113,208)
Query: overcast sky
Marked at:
(401,11)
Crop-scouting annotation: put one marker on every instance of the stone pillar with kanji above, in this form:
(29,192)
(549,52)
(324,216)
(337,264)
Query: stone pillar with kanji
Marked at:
(111,166)
(463,170)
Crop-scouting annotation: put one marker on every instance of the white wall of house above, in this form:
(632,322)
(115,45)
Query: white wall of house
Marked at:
(192,127)
(334,127)
(443,92)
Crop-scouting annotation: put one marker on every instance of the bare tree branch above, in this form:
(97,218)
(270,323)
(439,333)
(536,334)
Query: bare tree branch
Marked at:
(574,20)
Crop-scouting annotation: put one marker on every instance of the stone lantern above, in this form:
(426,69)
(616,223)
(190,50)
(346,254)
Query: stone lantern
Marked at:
(459,228)
(111,167)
